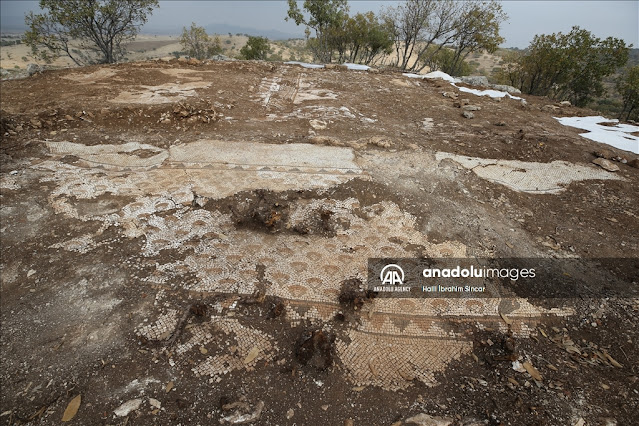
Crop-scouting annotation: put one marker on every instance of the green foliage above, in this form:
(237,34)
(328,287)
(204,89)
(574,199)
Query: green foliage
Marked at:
(87,31)
(197,43)
(325,17)
(628,87)
(9,42)
(361,38)
(367,38)
(443,59)
(255,48)
(566,66)
(477,29)
(276,57)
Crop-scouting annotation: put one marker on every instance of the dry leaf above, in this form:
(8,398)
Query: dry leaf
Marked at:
(572,349)
(506,319)
(612,360)
(532,371)
(203,350)
(513,381)
(169,386)
(72,409)
(543,333)
(359,388)
(552,367)
(252,355)
(605,386)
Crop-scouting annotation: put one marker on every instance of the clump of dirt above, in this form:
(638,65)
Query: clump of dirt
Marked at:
(6,123)
(142,153)
(201,111)
(492,347)
(198,309)
(320,222)
(70,159)
(261,210)
(277,308)
(315,348)
(353,295)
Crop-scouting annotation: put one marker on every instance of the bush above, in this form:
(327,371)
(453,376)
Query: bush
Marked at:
(444,60)
(276,57)
(567,66)
(628,88)
(255,48)
(198,44)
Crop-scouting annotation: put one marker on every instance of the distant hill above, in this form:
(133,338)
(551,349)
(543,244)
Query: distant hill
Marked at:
(235,29)
(216,28)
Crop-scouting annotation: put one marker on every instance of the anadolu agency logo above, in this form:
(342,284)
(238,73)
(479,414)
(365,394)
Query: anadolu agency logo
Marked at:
(392,279)
(392,275)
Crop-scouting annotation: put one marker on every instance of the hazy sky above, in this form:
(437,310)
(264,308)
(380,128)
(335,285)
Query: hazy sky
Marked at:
(526,18)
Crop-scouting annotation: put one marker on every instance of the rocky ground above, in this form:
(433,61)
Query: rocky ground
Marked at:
(187,243)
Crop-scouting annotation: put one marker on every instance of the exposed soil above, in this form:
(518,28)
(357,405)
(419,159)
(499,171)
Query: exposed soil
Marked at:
(219,288)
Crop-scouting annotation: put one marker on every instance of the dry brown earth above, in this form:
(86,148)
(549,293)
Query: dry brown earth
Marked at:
(192,236)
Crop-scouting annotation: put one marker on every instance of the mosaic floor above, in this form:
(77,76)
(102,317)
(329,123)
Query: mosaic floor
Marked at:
(395,341)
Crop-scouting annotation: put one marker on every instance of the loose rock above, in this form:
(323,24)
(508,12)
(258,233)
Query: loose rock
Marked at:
(238,418)
(426,420)
(468,114)
(33,69)
(318,124)
(131,405)
(606,164)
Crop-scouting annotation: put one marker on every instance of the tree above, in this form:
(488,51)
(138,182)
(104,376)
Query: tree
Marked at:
(417,24)
(567,66)
(197,43)
(477,29)
(87,31)
(367,38)
(422,28)
(255,48)
(322,15)
(628,88)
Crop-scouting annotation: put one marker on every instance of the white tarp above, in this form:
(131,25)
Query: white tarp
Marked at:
(618,135)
